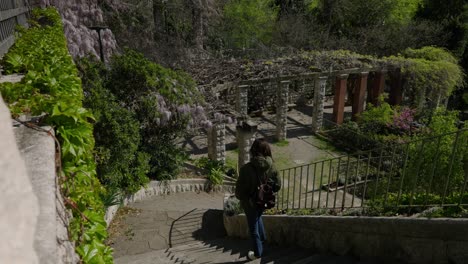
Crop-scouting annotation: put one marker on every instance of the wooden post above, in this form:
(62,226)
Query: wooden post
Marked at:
(339,101)
(378,86)
(396,92)
(360,94)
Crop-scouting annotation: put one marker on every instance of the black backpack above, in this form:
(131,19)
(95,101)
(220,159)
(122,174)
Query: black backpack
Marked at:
(264,195)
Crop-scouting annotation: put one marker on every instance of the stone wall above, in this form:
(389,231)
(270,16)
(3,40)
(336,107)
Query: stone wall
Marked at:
(51,241)
(35,229)
(412,240)
(19,205)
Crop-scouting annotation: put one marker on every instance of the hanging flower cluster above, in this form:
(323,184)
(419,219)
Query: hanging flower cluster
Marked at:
(78,16)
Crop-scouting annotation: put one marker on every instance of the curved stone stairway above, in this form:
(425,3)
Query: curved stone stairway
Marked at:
(169,230)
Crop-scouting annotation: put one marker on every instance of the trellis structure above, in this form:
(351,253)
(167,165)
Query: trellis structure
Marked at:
(277,92)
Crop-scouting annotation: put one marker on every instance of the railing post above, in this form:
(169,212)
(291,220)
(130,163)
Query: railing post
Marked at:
(319,96)
(339,100)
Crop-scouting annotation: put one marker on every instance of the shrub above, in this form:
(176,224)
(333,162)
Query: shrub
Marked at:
(164,102)
(216,169)
(444,151)
(120,164)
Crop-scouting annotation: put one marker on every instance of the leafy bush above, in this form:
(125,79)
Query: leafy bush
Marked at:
(216,169)
(376,119)
(51,85)
(444,151)
(165,104)
(120,164)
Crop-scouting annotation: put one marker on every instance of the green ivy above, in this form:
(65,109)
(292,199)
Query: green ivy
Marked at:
(51,86)
(121,167)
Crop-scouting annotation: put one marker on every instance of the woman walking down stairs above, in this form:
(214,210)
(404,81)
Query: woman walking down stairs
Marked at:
(168,230)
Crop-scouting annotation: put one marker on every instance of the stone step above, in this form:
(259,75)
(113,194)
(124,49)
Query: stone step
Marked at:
(228,250)
(206,253)
(287,257)
(312,259)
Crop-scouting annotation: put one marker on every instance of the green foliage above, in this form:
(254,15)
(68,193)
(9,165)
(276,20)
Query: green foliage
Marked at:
(453,16)
(51,85)
(120,164)
(152,94)
(282,143)
(430,73)
(249,23)
(403,11)
(430,54)
(376,119)
(444,153)
(216,169)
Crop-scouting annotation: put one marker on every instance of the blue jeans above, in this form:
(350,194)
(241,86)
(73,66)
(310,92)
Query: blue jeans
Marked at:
(257,231)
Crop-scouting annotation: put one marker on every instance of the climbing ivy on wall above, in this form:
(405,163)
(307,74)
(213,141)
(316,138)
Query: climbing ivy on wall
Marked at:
(51,86)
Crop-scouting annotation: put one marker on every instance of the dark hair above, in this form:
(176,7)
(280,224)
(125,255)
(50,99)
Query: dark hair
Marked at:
(260,147)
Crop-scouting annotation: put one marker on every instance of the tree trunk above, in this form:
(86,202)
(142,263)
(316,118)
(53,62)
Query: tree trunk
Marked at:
(197,22)
(159,16)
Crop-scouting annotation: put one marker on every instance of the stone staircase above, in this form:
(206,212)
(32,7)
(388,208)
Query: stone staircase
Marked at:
(156,234)
(228,250)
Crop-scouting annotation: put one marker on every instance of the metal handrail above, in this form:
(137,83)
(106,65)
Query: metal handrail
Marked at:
(12,14)
(402,175)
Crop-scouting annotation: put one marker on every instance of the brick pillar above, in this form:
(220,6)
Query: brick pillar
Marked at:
(217,143)
(359,94)
(242,97)
(377,88)
(396,92)
(245,137)
(282,93)
(339,100)
(319,96)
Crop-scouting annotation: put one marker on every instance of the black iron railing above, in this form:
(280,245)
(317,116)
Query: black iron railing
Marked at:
(424,172)
(12,13)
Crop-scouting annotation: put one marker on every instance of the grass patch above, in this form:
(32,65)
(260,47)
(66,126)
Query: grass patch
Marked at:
(282,143)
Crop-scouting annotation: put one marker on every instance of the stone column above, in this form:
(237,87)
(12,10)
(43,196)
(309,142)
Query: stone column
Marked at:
(360,94)
(242,99)
(319,96)
(396,92)
(245,137)
(339,100)
(377,88)
(216,142)
(282,93)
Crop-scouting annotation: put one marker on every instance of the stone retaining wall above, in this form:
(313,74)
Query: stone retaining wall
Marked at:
(34,219)
(156,188)
(412,240)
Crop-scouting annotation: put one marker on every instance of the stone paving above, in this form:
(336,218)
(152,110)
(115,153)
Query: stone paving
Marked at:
(170,220)
(187,228)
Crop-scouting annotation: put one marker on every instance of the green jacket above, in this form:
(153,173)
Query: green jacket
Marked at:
(248,182)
